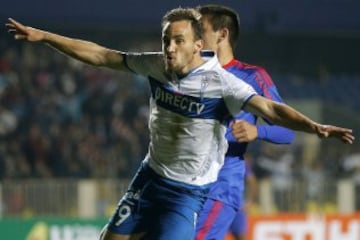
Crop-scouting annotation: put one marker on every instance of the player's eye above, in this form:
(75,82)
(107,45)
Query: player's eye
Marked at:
(179,41)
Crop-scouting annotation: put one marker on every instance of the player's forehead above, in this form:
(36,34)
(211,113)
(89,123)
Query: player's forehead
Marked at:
(178,28)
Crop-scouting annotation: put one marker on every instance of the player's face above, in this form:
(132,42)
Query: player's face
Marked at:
(180,47)
(210,36)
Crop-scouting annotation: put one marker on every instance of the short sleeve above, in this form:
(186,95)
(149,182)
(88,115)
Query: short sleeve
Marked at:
(236,93)
(146,64)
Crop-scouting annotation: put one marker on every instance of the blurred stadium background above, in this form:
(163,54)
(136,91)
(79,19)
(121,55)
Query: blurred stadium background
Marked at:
(72,135)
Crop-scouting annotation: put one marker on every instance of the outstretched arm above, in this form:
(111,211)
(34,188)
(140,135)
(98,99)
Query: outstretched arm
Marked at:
(284,115)
(85,51)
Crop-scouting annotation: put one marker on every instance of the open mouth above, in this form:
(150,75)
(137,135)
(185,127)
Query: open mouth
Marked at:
(169,59)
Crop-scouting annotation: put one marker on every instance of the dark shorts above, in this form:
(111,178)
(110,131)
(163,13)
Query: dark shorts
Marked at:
(163,208)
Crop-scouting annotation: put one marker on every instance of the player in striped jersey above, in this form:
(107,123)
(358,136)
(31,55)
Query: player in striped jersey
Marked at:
(221,25)
(191,100)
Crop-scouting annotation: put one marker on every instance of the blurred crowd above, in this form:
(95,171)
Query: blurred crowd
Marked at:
(62,118)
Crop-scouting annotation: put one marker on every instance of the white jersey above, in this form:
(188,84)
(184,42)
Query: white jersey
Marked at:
(188,117)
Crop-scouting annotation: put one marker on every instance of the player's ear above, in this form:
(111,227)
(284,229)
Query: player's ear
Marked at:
(223,34)
(199,45)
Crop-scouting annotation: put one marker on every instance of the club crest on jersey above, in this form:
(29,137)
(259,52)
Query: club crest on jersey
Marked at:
(204,85)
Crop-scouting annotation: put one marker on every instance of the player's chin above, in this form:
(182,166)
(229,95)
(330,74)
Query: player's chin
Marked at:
(169,66)
(172,68)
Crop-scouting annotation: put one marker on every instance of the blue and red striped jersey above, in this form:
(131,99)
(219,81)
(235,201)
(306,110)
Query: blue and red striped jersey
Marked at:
(229,187)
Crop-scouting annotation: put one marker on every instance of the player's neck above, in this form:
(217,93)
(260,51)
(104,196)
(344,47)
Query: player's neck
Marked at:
(225,55)
(197,61)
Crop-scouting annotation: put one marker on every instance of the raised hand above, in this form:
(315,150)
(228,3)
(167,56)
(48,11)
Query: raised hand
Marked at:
(22,32)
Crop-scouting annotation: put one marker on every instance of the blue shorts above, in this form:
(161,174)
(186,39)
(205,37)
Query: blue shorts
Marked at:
(214,220)
(162,208)
(239,224)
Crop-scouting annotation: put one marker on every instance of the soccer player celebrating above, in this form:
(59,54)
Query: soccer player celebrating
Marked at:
(191,99)
(221,31)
